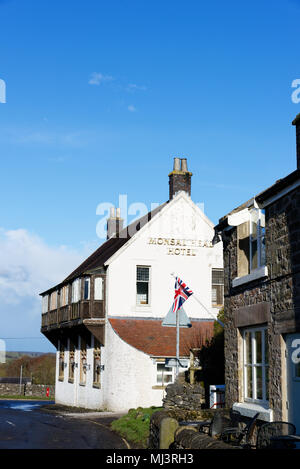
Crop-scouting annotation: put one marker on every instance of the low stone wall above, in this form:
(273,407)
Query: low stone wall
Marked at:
(34,390)
(182,395)
(165,432)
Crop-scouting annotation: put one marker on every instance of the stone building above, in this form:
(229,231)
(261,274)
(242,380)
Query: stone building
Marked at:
(261,252)
(105,318)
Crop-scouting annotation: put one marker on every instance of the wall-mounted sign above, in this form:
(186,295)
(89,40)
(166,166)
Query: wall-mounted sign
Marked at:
(181,247)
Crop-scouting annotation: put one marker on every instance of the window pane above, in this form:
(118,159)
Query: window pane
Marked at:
(258,340)
(259,383)
(86,288)
(142,274)
(217,276)
(249,381)
(248,352)
(98,295)
(142,293)
(253,254)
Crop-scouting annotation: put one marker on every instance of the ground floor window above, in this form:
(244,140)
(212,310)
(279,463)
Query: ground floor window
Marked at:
(61,364)
(83,361)
(71,361)
(255,343)
(164,374)
(97,363)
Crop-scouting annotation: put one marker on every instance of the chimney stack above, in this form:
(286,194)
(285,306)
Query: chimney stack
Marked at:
(296,122)
(114,223)
(179,178)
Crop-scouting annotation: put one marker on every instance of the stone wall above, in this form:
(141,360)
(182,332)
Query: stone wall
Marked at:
(166,433)
(34,390)
(182,395)
(280,291)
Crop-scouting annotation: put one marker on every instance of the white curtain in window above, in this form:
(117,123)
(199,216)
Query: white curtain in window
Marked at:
(98,288)
(76,290)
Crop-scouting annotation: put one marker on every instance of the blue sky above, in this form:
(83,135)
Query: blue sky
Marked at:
(101,95)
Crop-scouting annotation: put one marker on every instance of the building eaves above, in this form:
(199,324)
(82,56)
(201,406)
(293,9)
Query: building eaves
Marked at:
(108,248)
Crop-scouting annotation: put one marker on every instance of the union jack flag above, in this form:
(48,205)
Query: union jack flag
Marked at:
(182,293)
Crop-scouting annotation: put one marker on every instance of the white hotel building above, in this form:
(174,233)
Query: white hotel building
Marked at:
(105,318)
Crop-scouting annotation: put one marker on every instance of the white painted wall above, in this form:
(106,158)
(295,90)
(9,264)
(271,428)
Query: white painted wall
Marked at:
(180,219)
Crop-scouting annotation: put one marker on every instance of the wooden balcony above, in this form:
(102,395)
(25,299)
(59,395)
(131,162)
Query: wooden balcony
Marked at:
(85,309)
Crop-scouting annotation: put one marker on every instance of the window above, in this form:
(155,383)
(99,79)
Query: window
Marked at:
(256,364)
(98,295)
(53,300)
(217,287)
(97,363)
(142,285)
(164,374)
(61,364)
(64,295)
(257,239)
(76,287)
(71,361)
(251,257)
(86,292)
(45,304)
(83,363)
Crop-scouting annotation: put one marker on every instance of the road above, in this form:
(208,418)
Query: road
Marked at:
(23,425)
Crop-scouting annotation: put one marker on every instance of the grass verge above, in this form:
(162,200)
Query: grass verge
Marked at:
(27,398)
(134,426)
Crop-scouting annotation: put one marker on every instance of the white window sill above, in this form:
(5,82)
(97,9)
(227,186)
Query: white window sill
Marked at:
(249,409)
(254,275)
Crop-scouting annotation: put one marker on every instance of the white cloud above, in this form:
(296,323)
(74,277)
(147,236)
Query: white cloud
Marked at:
(29,266)
(98,78)
(131,108)
(134,87)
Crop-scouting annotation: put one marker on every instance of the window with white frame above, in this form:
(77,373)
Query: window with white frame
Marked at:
(217,287)
(45,304)
(86,291)
(164,374)
(142,285)
(257,256)
(76,290)
(256,376)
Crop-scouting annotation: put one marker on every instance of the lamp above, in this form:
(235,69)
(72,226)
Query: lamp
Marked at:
(216,239)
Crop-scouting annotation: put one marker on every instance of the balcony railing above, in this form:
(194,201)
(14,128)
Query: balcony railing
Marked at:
(82,310)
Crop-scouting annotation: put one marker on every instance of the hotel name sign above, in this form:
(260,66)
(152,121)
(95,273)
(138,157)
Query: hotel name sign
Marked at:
(180,247)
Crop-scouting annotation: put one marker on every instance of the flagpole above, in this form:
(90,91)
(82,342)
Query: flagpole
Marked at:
(177,343)
(198,301)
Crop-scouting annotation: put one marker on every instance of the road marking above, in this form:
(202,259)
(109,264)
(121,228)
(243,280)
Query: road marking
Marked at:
(10,423)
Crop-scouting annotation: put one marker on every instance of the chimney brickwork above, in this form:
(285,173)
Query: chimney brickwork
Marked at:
(179,178)
(114,223)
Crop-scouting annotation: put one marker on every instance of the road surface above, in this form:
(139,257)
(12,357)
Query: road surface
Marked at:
(24,426)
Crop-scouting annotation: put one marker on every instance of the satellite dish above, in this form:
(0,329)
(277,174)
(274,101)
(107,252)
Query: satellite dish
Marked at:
(170,319)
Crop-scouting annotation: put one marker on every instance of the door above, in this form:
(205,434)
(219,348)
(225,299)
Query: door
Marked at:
(293,379)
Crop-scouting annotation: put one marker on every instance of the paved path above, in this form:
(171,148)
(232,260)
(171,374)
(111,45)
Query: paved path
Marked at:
(24,426)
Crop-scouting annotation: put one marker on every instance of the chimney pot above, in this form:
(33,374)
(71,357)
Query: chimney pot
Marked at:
(184,165)
(176,166)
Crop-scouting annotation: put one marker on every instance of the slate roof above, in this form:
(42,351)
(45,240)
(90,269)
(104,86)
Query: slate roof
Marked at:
(150,337)
(109,247)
